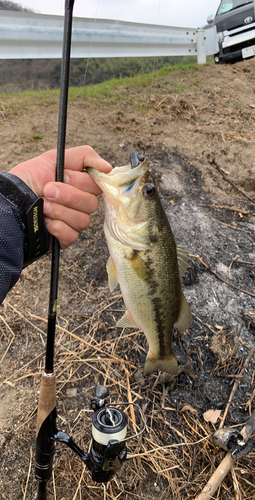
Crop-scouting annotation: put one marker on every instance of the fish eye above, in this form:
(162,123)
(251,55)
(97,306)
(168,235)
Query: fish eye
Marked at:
(149,191)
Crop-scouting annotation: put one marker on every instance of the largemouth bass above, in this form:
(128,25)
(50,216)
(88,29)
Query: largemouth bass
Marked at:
(144,260)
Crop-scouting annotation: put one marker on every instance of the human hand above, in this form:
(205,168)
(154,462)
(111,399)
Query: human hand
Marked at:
(67,206)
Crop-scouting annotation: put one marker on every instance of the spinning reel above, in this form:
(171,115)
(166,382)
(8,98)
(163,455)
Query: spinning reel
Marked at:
(108,450)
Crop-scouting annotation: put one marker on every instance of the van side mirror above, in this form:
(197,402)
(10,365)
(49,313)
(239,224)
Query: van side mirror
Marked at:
(210,19)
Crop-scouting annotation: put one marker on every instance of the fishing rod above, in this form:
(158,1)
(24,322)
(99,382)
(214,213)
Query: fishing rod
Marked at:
(109,423)
(46,415)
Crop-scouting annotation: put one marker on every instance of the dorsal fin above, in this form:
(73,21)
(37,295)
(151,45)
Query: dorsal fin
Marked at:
(183,260)
(184,320)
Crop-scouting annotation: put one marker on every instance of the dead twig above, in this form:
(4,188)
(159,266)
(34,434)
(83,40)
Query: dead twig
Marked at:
(129,395)
(236,134)
(225,207)
(54,485)
(228,225)
(28,474)
(248,404)
(232,262)
(204,324)
(225,465)
(219,277)
(79,485)
(213,162)
(167,447)
(235,484)
(89,344)
(10,343)
(158,106)
(236,385)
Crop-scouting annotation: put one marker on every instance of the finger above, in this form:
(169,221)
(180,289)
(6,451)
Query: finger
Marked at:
(85,156)
(65,234)
(71,197)
(98,163)
(73,218)
(76,159)
(82,181)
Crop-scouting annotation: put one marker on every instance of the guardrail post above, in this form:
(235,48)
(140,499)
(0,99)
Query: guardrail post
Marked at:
(201,52)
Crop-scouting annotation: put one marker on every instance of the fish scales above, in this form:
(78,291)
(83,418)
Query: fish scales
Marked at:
(151,299)
(144,261)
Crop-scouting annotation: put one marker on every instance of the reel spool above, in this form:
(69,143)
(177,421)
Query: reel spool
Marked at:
(109,424)
(108,451)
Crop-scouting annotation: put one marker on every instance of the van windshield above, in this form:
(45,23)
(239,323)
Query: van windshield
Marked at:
(227,5)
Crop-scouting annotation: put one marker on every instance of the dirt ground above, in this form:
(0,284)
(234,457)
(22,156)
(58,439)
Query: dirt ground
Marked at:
(197,129)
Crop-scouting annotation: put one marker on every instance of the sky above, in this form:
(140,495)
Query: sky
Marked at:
(184,13)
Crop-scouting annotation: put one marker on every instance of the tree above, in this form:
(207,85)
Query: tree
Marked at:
(8,5)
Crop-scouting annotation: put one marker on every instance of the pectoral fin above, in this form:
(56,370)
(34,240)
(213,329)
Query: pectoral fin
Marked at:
(139,266)
(126,321)
(112,274)
(184,320)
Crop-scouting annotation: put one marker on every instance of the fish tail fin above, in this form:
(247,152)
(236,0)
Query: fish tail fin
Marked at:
(168,364)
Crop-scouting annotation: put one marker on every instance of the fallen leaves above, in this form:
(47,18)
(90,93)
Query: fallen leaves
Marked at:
(212,416)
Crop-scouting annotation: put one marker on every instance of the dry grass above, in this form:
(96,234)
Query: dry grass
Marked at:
(176,455)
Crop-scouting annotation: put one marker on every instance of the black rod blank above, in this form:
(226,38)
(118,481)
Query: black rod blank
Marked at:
(65,66)
(42,491)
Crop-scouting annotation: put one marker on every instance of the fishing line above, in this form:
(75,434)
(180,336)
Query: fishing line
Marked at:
(90,46)
(154,60)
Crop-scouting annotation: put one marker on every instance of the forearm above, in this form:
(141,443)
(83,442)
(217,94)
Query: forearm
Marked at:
(15,200)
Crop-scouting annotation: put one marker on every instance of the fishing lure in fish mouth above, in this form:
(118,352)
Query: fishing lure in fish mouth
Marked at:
(144,260)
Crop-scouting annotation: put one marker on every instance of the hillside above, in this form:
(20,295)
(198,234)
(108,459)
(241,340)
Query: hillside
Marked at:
(37,74)
(196,128)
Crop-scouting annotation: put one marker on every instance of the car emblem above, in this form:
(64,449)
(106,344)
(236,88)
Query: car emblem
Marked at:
(248,20)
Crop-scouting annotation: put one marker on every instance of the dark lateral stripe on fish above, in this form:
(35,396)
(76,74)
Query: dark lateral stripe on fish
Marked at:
(164,337)
(157,308)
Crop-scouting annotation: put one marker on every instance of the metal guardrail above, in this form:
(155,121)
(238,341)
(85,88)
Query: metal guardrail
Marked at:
(37,36)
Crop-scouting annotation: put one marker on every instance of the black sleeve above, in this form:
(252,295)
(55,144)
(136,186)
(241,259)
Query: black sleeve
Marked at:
(23,234)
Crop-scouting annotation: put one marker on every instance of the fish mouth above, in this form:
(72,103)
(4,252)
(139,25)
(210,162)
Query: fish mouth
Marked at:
(120,181)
